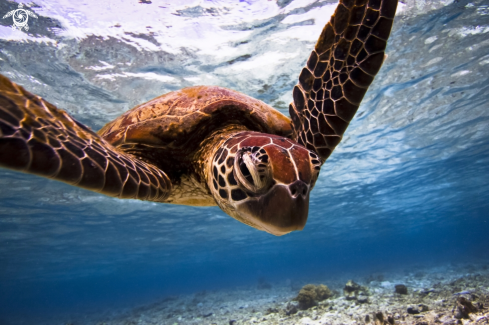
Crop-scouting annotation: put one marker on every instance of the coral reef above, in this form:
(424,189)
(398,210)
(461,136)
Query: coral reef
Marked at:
(310,295)
(307,296)
(323,292)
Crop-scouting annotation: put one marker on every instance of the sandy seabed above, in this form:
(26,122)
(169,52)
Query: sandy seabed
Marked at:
(453,294)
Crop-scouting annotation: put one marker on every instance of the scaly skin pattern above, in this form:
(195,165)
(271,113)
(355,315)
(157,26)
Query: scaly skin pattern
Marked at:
(263,180)
(37,138)
(347,56)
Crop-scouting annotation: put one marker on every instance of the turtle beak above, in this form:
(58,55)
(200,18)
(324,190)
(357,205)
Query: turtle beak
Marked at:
(282,210)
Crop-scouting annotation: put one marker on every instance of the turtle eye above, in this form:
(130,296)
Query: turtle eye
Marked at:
(252,169)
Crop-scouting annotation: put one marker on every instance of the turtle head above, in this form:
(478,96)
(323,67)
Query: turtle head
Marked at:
(264,181)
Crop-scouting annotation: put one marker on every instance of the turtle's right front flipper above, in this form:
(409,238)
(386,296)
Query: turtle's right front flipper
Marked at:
(347,56)
(37,138)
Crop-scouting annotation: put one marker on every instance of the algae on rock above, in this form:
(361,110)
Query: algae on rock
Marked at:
(310,295)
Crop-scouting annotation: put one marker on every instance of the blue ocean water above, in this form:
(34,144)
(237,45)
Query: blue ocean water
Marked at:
(407,187)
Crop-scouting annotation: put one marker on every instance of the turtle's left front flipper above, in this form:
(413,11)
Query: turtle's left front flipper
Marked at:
(37,138)
(347,56)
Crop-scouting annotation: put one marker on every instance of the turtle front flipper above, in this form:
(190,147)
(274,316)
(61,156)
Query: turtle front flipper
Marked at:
(347,56)
(37,138)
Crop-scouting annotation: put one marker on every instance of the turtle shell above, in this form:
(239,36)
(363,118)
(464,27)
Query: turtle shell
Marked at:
(176,123)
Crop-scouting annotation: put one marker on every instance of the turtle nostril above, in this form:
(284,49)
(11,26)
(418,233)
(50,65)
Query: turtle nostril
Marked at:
(298,187)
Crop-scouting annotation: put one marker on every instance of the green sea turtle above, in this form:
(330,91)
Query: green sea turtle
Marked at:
(209,145)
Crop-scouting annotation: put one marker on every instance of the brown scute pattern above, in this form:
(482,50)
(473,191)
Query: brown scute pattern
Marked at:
(180,120)
(37,138)
(347,56)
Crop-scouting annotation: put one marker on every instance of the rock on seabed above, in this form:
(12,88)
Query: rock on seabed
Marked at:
(443,296)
